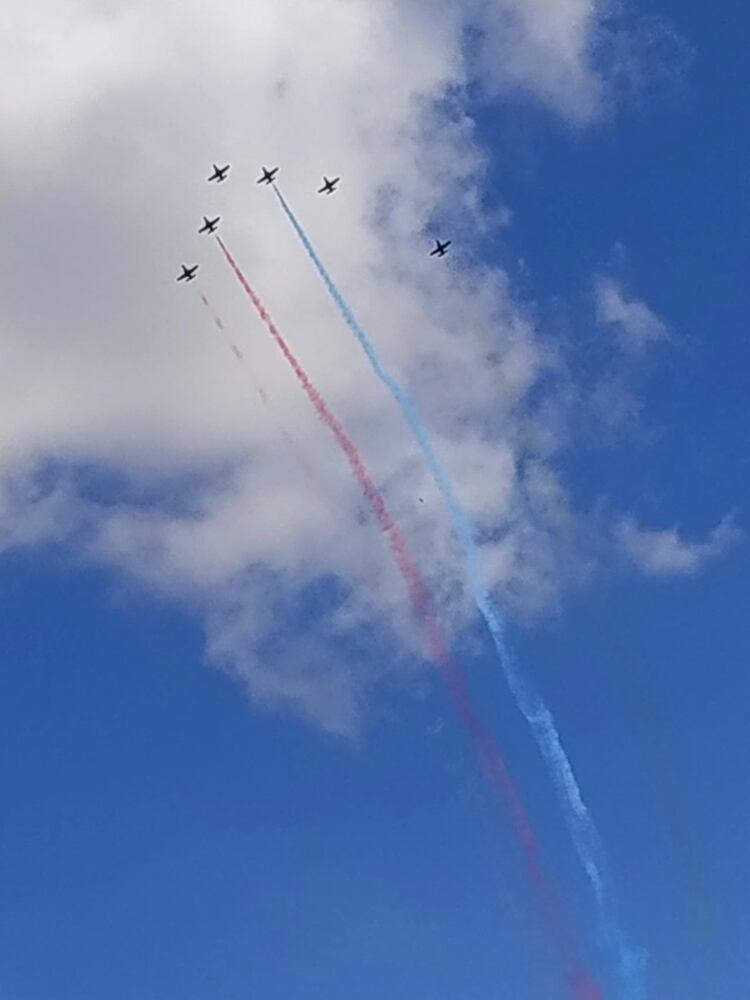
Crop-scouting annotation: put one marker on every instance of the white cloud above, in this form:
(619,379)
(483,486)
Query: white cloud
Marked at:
(666,553)
(110,116)
(545,48)
(636,325)
(32,512)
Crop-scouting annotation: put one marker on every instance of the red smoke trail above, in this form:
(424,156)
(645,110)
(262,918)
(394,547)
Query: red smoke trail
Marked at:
(493,765)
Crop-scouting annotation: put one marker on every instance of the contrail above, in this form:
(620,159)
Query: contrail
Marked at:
(493,765)
(299,452)
(219,324)
(585,835)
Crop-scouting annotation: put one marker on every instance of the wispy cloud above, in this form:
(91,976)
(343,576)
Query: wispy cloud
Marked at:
(36,509)
(636,325)
(667,552)
(543,48)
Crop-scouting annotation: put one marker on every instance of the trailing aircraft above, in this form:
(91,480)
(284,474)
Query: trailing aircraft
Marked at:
(268,176)
(440,248)
(188,273)
(209,224)
(219,173)
(328,186)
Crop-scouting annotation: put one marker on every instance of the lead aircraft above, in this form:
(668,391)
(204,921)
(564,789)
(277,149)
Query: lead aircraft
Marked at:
(268,176)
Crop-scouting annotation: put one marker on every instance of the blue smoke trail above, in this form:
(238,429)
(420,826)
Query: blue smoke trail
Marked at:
(583,830)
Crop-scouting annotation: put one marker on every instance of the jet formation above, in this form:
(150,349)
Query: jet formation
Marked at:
(268,177)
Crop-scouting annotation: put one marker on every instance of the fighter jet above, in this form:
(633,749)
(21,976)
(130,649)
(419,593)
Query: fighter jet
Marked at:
(188,273)
(209,224)
(440,248)
(268,176)
(219,173)
(328,186)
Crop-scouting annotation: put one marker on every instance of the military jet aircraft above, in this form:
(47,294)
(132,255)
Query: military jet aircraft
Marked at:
(328,186)
(209,224)
(440,248)
(188,273)
(219,173)
(268,176)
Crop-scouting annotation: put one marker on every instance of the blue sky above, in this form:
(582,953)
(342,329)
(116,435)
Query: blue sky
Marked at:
(166,833)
